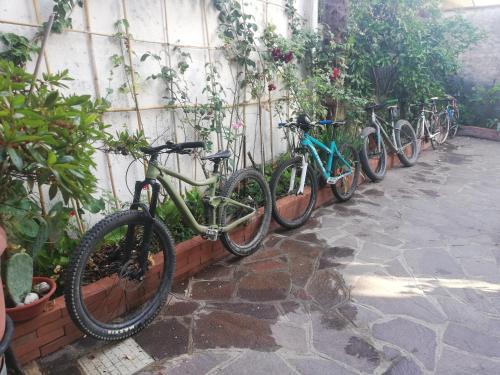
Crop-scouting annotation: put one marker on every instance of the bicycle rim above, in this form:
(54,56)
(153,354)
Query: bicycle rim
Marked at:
(344,187)
(249,188)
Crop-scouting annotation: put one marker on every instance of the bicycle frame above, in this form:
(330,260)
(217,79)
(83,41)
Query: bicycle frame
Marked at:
(310,142)
(376,122)
(216,203)
(424,125)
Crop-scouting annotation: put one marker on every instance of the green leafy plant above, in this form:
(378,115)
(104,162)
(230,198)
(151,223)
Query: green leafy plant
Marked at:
(48,141)
(411,35)
(480,106)
(172,217)
(47,137)
(17,48)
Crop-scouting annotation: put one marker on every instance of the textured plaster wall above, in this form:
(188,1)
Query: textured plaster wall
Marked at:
(155,25)
(481,63)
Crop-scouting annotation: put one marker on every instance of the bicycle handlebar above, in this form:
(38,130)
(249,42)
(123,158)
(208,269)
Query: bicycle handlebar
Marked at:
(174,147)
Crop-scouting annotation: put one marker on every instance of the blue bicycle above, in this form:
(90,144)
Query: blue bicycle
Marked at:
(294,183)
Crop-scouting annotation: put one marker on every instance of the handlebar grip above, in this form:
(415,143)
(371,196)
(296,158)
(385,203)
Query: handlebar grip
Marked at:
(325,122)
(191,145)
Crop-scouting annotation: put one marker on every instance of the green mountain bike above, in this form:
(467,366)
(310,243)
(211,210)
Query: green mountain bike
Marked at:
(121,273)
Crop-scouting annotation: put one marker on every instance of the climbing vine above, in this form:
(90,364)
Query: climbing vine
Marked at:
(62,10)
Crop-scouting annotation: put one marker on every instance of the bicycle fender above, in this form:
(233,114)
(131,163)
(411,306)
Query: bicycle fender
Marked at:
(367,131)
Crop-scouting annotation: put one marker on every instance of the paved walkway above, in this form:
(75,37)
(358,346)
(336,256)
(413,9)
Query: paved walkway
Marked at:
(404,279)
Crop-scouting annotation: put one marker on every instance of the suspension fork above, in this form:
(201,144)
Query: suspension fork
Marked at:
(148,225)
(303,176)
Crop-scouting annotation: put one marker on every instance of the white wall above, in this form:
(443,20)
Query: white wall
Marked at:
(156,26)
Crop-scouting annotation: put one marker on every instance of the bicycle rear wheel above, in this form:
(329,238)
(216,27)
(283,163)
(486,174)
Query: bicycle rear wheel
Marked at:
(344,187)
(298,205)
(107,295)
(373,159)
(246,186)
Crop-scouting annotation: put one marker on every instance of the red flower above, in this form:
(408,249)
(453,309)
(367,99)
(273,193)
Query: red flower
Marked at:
(288,57)
(335,74)
(72,213)
(145,187)
(271,87)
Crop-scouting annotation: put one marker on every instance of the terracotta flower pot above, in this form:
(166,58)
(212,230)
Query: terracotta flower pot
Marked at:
(27,312)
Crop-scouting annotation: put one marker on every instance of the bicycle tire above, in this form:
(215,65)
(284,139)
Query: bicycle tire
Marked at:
(405,127)
(74,273)
(454,125)
(453,131)
(432,131)
(343,196)
(275,179)
(379,172)
(444,127)
(227,190)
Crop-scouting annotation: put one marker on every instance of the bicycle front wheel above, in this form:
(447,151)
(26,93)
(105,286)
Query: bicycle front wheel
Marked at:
(407,143)
(247,187)
(298,199)
(108,294)
(444,128)
(373,158)
(347,174)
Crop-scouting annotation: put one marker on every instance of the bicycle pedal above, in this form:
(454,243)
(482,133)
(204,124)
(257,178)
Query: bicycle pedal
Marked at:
(332,180)
(211,234)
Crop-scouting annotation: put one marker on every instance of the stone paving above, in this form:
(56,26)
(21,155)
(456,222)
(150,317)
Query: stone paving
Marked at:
(404,279)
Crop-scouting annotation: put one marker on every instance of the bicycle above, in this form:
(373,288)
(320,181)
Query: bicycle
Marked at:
(133,251)
(434,129)
(402,141)
(296,177)
(453,114)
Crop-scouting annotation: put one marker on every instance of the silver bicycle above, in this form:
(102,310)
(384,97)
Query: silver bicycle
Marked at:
(397,134)
(431,125)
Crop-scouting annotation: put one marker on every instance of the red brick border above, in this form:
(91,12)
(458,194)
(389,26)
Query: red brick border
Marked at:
(478,132)
(53,329)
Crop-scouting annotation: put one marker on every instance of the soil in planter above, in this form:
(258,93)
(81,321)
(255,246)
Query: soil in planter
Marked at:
(110,258)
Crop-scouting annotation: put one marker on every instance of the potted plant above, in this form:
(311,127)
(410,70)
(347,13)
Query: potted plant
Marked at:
(27,294)
(47,144)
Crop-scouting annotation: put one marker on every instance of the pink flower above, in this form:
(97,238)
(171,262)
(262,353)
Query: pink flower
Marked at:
(237,124)
(276,54)
(271,87)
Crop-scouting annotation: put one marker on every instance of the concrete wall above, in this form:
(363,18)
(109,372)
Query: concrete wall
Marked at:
(156,26)
(481,64)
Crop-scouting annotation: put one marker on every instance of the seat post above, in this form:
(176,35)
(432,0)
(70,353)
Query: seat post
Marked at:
(216,165)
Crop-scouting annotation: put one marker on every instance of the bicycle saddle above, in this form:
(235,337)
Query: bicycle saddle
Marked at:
(218,156)
(390,103)
(375,107)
